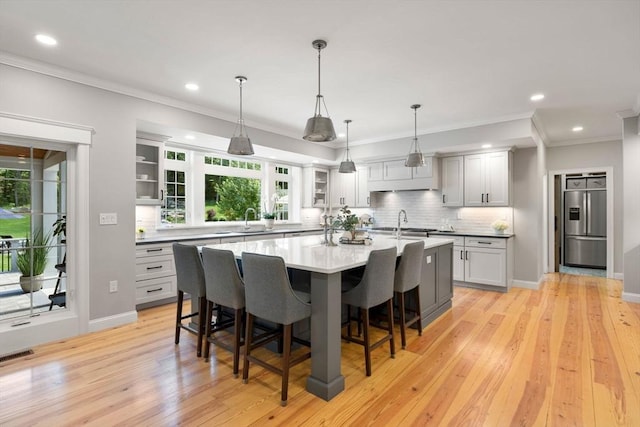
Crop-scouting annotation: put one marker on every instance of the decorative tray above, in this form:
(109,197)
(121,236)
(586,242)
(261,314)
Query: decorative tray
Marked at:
(355,242)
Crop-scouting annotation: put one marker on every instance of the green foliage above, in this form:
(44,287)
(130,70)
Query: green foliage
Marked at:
(346,220)
(235,195)
(17,228)
(15,188)
(32,260)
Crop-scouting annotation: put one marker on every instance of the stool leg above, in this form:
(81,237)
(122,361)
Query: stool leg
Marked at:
(419,308)
(401,308)
(391,341)
(367,347)
(202,308)
(285,364)
(237,328)
(207,330)
(179,315)
(247,348)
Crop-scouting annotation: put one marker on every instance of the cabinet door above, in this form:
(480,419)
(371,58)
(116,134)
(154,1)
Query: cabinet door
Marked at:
(149,172)
(486,266)
(425,171)
(428,282)
(458,263)
(343,189)
(452,181)
(320,187)
(496,181)
(445,273)
(374,172)
(474,180)
(396,169)
(363,199)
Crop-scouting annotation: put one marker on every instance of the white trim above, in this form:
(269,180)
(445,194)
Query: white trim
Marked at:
(542,134)
(525,284)
(618,276)
(13,125)
(626,114)
(593,140)
(39,329)
(631,297)
(549,235)
(113,321)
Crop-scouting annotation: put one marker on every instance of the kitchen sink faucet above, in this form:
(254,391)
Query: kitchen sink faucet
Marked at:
(399,230)
(246,217)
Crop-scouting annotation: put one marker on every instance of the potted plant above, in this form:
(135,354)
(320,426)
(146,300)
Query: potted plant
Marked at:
(499,225)
(32,261)
(347,221)
(270,215)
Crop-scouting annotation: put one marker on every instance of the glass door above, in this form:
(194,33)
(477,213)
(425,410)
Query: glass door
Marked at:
(33,194)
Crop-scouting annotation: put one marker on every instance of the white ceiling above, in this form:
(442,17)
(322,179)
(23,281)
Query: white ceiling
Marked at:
(466,62)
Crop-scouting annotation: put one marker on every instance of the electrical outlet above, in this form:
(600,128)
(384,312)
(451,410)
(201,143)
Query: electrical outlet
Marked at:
(459,215)
(113,286)
(108,218)
(428,259)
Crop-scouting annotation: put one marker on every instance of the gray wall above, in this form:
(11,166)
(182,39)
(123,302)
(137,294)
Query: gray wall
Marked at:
(596,155)
(526,208)
(631,246)
(112,164)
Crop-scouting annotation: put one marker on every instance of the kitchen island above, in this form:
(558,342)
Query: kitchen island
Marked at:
(325,265)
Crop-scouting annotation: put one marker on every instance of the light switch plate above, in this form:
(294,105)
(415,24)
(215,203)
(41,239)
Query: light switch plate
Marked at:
(108,218)
(428,259)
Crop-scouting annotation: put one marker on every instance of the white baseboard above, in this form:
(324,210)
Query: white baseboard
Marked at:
(112,321)
(631,297)
(618,276)
(526,284)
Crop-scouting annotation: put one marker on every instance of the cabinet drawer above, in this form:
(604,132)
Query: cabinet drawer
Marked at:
(153,250)
(457,240)
(485,242)
(154,267)
(155,289)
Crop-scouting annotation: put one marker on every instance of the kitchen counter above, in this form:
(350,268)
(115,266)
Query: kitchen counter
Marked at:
(471,234)
(221,234)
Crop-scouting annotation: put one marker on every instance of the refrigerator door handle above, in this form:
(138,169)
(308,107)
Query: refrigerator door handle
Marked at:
(585,213)
(585,238)
(588,211)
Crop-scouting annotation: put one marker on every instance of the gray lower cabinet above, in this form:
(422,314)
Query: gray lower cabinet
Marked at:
(436,288)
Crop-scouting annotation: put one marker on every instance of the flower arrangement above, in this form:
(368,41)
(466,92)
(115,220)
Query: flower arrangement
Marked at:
(346,220)
(499,225)
(271,214)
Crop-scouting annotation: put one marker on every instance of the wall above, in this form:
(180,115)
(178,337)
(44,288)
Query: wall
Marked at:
(526,214)
(112,164)
(597,155)
(631,195)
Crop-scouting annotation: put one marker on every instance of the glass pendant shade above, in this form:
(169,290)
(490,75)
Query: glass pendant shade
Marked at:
(415,157)
(347,165)
(319,128)
(240,143)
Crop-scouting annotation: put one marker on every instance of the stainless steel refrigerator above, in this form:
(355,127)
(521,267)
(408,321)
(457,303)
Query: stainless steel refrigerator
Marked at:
(585,228)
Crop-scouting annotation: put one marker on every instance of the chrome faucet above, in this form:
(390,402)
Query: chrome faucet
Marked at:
(399,230)
(246,217)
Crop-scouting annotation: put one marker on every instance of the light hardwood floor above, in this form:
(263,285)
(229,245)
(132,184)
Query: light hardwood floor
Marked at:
(568,354)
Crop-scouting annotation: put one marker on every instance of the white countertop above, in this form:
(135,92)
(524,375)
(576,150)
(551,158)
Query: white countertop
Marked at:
(310,254)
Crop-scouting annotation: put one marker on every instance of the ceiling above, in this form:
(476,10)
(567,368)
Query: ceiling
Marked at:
(467,62)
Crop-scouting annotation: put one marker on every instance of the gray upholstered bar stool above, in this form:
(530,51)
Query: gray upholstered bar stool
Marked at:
(407,278)
(375,288)
(225,288)
(190,279)
(269,296)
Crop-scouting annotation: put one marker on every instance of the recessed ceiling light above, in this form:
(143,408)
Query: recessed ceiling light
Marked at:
(537,97)
(341,135)
(577,128)
(192,86)
(314,161)
(190,136)
(47,40)
(486,145)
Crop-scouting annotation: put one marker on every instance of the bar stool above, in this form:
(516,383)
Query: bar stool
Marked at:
(407,277)
(225,288)
(375,288)
(190,279)
(269,296)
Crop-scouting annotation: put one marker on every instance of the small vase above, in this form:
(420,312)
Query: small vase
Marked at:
(499,231)
(269,223)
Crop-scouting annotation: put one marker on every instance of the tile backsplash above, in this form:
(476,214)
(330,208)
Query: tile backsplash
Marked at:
(424,210)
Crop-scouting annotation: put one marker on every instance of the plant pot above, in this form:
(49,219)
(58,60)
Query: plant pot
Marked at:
(269,223)
(499,231)
(31,284)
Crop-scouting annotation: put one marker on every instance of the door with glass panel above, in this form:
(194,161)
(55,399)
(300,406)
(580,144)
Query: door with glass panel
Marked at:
(33,194)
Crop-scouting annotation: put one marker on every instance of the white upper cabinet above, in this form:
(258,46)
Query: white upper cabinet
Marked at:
(375,171)
(149,169)
(487,179)
(350,189)
(316,187)
(363,199)
(396,169)
(453,181)
(393,175)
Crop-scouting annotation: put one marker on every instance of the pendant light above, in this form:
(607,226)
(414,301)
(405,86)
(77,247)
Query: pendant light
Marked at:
(319,128)
(240,144)
(415,157)
(347,165)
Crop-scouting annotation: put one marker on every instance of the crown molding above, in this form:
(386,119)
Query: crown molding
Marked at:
(537,123)
(568,142)
(625,114)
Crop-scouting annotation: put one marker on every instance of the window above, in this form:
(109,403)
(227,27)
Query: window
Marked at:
(175,209)
(281,194)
